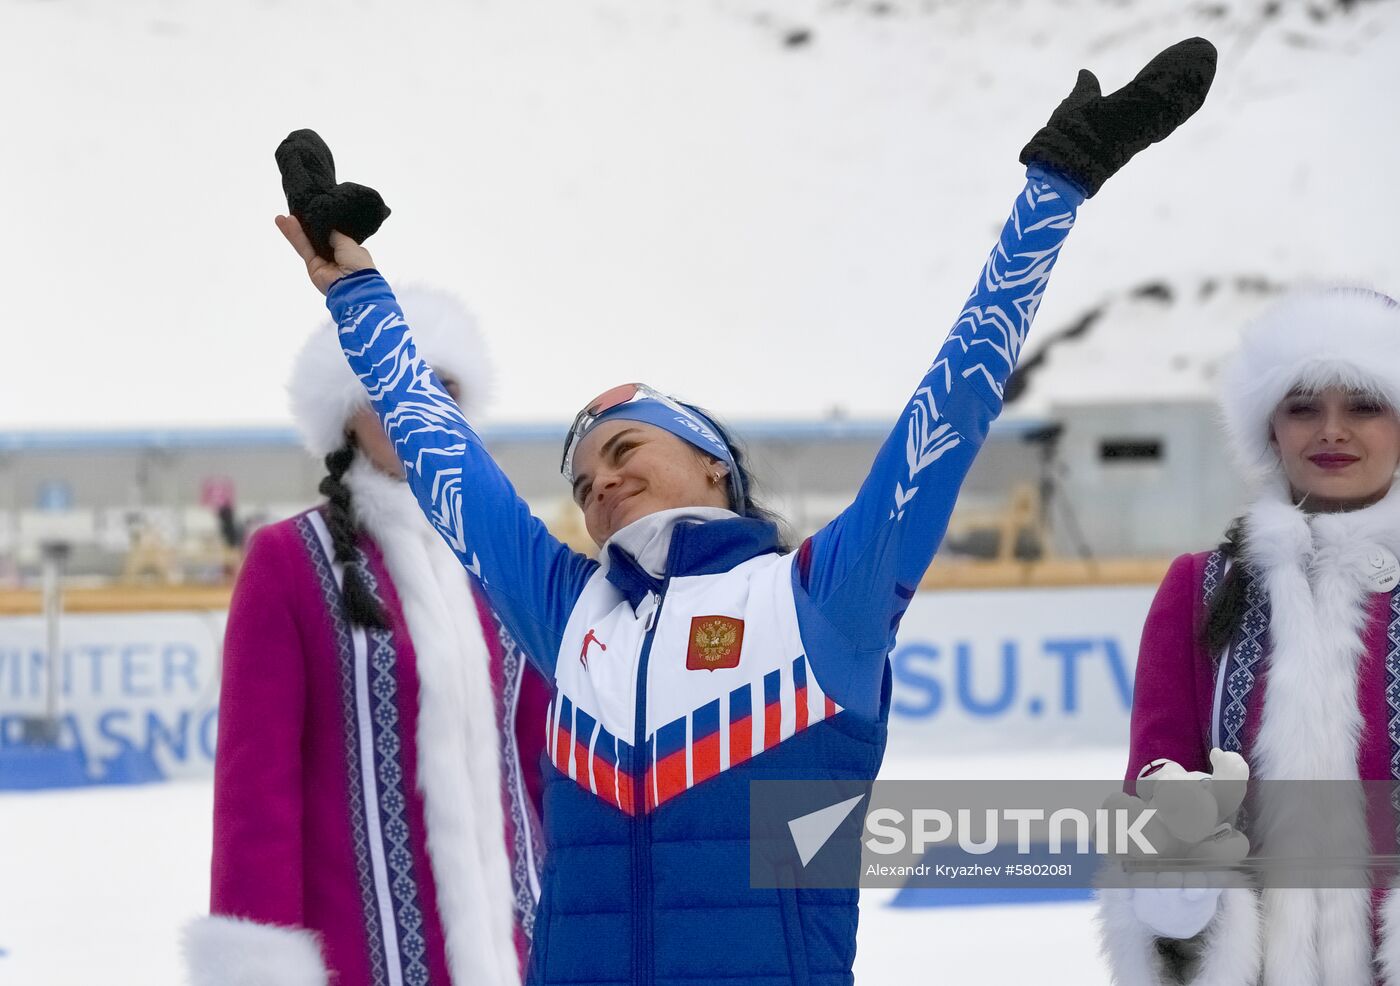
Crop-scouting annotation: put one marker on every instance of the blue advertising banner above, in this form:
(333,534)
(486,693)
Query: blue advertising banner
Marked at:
(137,693)
(973,670)
(1006,668)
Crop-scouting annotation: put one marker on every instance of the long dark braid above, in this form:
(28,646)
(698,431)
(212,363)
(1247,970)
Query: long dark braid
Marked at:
(361,606)
(1227,607)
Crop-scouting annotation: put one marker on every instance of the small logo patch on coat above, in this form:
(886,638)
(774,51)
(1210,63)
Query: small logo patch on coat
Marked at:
(715,642)
(591,638)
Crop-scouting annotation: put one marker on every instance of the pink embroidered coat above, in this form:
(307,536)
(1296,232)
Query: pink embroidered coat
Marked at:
(1308,690)
(376,792)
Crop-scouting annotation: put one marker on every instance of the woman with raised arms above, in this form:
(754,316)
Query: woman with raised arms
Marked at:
(697,654)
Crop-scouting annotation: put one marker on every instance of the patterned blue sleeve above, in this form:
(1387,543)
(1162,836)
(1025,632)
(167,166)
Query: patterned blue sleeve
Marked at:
(855,576)
(531,579)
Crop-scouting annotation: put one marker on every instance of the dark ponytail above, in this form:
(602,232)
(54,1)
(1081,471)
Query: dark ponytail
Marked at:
(752,505)
(1226,608)
(361,606)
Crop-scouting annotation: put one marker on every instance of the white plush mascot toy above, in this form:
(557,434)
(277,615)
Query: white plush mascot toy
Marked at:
(1193,819)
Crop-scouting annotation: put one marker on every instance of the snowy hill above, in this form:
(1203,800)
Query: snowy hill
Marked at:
(771,208)
(1150,341)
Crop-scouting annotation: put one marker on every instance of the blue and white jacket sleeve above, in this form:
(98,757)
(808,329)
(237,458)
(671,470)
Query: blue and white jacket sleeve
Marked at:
(855,577)
(531,578)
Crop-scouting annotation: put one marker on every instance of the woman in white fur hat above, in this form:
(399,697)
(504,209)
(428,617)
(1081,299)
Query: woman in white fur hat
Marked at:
(377,776)
(1284,645)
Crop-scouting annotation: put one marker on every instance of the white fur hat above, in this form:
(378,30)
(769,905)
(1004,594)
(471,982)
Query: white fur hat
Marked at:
(325,393)
(1345,337)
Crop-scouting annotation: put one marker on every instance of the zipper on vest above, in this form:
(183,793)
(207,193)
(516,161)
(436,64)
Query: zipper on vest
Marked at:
(641,820)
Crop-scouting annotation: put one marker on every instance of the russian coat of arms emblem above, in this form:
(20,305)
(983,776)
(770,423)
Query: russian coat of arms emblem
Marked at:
(715,642)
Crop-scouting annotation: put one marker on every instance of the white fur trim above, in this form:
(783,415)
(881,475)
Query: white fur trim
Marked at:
(1232,943)
(325,394)
(1313,339)
(1230,946)
(229,951)
(459,770)
(1312,569)
(1388,955)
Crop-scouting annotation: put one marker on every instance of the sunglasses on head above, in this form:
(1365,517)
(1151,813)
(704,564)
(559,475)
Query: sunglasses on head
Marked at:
(613,397)
(626,394)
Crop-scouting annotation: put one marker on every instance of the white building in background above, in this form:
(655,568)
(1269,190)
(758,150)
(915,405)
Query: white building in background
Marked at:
(1115,480)
(1149,479)
(95,489)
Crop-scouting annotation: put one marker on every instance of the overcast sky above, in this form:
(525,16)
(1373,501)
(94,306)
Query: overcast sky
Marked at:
(774,210)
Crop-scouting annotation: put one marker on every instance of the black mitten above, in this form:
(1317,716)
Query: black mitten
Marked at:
(318,203)
(1089,136)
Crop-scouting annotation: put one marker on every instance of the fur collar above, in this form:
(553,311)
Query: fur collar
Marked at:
(458,737)
(1282,535)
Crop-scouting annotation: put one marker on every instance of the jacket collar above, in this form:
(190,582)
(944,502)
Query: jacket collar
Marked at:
(707,548)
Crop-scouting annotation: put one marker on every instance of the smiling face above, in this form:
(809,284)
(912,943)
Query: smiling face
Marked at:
(625,470)
(1339,448)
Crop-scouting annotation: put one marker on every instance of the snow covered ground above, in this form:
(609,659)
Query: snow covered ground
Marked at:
(94,884)
(729,198)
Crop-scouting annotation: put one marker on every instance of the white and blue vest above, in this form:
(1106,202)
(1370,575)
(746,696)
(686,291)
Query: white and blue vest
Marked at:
(726,678)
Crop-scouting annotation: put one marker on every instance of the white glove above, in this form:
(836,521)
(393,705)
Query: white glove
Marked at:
(1176,912)
(1193,819)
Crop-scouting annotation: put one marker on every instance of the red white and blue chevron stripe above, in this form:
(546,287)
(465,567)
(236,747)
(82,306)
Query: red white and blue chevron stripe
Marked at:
(690,750)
